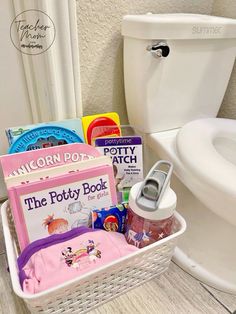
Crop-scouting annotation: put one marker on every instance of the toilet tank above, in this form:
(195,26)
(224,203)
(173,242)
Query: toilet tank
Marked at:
(189,82)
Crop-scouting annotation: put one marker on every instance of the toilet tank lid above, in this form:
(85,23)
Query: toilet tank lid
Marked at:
(178,26)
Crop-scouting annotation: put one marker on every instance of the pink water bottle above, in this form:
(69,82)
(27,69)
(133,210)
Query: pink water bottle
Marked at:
(151,207)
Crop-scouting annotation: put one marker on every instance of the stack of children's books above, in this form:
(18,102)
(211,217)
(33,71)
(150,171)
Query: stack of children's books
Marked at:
(53,187)
(53,190)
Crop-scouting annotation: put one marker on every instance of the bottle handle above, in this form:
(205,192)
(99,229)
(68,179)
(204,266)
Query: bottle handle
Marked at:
(154,185)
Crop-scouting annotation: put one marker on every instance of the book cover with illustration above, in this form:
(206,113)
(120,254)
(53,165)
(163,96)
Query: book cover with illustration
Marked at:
(48,173)
(60,204)
(30,161)
(127,157)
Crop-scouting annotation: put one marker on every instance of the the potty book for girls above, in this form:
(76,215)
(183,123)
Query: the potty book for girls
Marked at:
(61,203)
(55,189)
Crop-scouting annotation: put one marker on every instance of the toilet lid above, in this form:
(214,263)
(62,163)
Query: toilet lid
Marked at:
(207,147)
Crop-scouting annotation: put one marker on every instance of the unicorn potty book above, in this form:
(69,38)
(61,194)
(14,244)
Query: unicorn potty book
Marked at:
(53,190)
(45,158)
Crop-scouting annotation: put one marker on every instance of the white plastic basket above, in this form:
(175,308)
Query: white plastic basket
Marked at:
(98,286)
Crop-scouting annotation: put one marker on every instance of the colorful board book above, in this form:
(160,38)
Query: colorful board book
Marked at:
(59,204)
(75,125)
(99,125)
(43,137)
(55,189)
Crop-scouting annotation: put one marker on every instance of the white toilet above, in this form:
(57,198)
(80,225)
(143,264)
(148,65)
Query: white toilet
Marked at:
(176,70)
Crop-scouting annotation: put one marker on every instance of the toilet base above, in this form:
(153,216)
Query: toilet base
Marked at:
(207,248)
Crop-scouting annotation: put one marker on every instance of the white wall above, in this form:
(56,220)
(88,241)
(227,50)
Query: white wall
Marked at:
(14,105)
(99,25)
(227,8)
(43,86)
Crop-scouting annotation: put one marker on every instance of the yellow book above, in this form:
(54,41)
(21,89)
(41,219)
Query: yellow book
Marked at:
(100,125)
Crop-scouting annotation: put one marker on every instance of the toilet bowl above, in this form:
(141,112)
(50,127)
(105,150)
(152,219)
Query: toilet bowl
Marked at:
(207,148)
(176,71)
(203,152)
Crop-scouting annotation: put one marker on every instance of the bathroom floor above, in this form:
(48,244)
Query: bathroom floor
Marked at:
(173,292)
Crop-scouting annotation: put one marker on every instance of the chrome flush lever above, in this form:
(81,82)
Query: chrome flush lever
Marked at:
(159,50)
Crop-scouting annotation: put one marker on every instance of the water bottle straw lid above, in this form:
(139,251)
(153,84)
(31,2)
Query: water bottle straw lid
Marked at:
(154,186)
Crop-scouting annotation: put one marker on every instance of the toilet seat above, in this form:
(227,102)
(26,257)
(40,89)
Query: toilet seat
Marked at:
(207,148)
(206,251)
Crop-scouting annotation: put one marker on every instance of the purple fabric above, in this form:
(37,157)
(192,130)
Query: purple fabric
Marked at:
(22,277)
(46,242)
(73,258)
